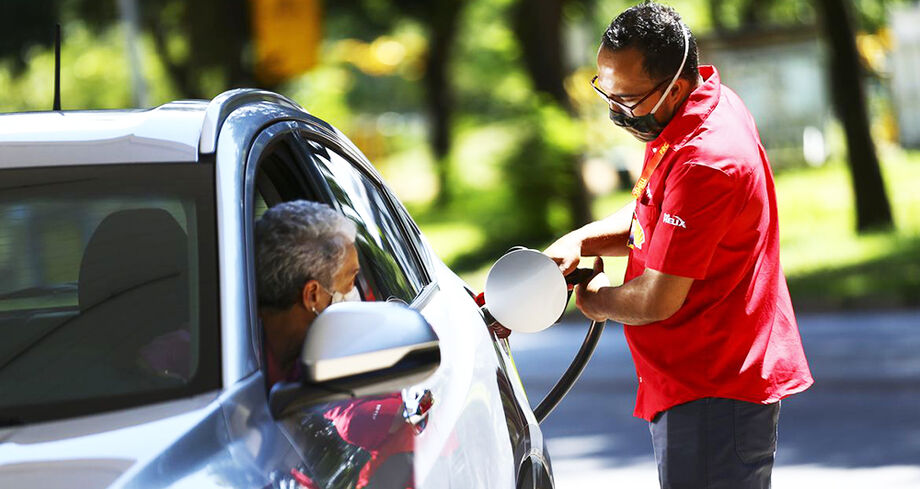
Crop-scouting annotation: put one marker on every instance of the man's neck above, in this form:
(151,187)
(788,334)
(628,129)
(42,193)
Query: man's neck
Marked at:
(284,333)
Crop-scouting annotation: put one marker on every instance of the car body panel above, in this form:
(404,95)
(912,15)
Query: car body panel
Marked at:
(467,433)
(479,432)
(523,429)
(236,444)
(98,448)
(230,441)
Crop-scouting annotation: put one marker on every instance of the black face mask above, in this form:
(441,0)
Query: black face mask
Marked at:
(645,128)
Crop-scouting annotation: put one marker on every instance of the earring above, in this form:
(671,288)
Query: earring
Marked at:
(313,308)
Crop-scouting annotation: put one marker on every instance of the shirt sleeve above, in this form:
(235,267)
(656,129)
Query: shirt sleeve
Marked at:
(699,205)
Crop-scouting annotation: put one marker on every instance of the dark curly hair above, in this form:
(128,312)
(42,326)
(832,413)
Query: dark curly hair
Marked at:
(655,31)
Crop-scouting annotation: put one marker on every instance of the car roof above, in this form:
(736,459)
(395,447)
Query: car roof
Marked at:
(174,132)
(169,132)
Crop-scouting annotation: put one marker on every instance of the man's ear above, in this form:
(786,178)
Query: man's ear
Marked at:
(309,295)
(681,87)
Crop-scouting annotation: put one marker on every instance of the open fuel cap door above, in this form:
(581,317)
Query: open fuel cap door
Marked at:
(525,291)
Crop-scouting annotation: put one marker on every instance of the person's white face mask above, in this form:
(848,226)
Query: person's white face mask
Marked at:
(351,296)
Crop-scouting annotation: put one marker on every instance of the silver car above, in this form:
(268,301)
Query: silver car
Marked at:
(130,350)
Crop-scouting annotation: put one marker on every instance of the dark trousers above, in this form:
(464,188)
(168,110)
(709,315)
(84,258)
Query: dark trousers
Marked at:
(715,443)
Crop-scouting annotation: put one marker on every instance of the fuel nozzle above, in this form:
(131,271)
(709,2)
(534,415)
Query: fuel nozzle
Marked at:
(577,276)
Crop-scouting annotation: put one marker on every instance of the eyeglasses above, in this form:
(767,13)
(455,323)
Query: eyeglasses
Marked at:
(627,110)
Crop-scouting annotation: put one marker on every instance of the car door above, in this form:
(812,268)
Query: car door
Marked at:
(462,439)
(354,443)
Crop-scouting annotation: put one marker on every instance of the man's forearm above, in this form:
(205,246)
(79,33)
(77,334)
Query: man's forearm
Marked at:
(629,303)
(648,298)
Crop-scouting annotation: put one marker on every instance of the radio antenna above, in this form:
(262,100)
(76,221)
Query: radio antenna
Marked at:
(57,67)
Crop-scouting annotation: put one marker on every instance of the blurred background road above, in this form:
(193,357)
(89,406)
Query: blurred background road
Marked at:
(857,427)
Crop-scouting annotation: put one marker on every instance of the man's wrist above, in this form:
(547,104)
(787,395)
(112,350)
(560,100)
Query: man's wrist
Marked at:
(577,239)
(605,299)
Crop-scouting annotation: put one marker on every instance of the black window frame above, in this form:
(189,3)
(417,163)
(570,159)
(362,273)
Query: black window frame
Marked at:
(358,163)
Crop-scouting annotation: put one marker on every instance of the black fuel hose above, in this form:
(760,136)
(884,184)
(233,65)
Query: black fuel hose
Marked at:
(570,376)
(568,379)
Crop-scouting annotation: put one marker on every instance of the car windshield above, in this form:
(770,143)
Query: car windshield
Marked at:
(108,291)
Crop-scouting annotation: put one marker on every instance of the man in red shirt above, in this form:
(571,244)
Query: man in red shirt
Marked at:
(704,303)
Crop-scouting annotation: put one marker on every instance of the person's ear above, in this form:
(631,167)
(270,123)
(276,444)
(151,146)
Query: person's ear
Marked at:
(680,88)
(309,295)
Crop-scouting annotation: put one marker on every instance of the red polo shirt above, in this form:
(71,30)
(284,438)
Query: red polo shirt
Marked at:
(709,213)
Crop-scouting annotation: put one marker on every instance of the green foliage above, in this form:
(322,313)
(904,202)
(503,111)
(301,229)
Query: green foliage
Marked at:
(827,262)
(324,91)
(537,173)
(26,24)
(872,15)
(739,14)
(94,74)
(540,142)
(511,164)
(487,74)
(869,15)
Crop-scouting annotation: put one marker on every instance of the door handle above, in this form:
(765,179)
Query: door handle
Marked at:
(417,403)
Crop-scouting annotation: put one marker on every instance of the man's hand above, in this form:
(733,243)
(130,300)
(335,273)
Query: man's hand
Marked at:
(588,295)
(566,252)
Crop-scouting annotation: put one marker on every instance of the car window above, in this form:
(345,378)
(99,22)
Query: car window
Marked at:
(107,287)
(387,259)
(260,206)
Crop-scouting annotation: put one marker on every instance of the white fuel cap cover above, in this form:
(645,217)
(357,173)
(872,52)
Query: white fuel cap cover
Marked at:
(525,291)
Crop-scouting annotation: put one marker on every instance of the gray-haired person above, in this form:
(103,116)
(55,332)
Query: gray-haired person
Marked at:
(305,261)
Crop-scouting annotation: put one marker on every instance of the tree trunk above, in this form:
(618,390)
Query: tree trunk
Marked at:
(538,27)
(715,15)
(754,13)
(218,33)
(846,74)
(442,27)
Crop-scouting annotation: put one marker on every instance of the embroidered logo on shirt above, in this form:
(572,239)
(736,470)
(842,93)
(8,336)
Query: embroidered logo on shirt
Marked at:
(674,220)
(636,235)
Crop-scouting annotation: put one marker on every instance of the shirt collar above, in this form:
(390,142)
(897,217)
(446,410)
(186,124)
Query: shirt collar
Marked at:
(275,372)
(693,111)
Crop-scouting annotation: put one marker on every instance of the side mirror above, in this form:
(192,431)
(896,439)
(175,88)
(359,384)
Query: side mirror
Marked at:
(358,349)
